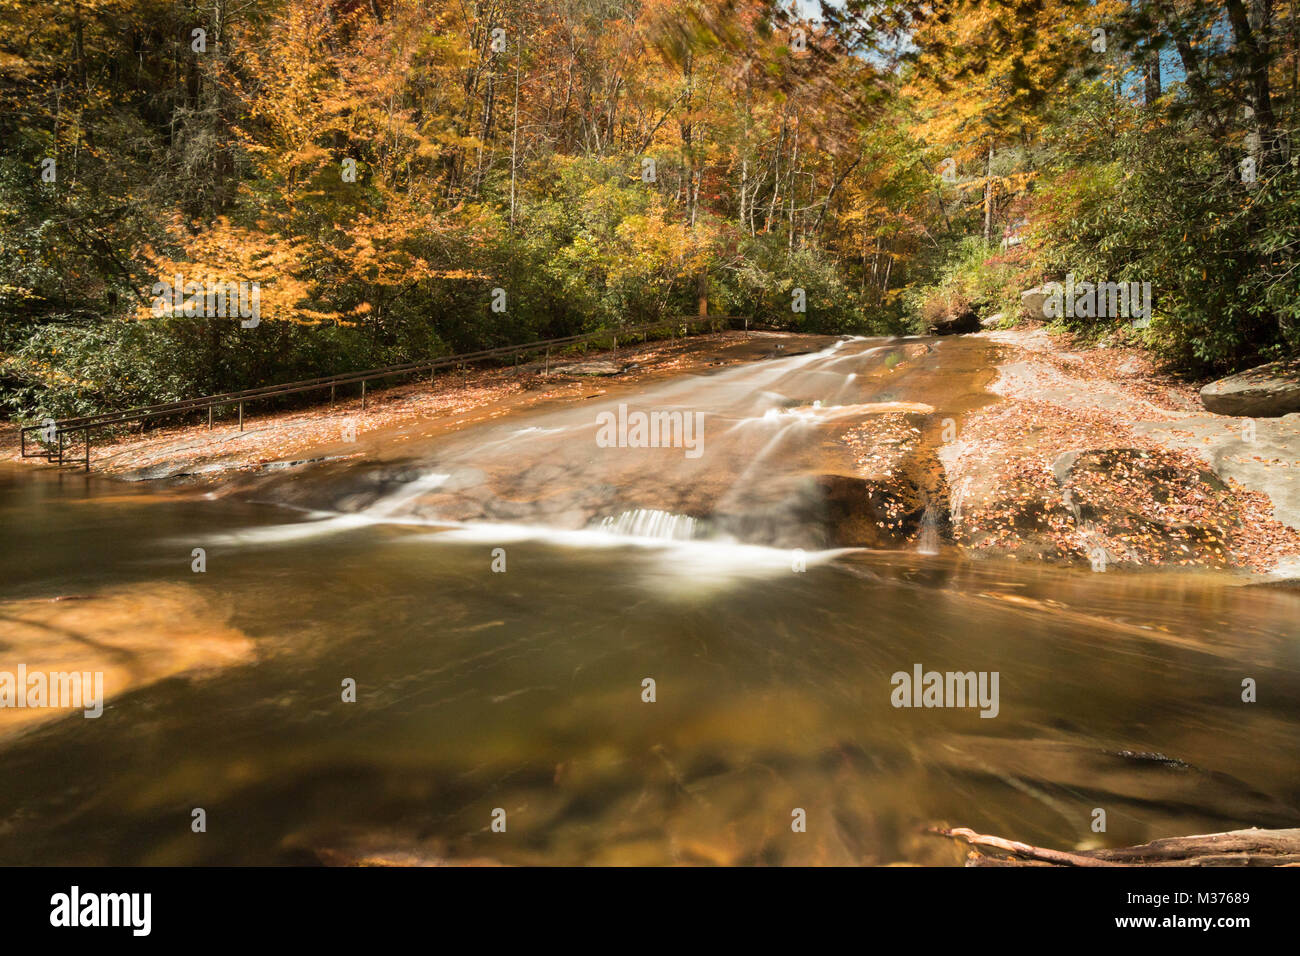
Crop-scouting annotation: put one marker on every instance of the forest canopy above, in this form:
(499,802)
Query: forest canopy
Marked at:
(377,168)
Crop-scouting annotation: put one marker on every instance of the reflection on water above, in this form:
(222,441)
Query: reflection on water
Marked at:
(523,690)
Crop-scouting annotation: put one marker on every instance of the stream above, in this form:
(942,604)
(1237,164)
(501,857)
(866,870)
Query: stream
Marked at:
(500,593)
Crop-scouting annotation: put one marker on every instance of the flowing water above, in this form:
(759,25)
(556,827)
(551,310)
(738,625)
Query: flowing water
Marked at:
(500,593)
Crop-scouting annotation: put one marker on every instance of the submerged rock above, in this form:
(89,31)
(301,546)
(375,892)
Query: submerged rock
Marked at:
(1267,391)
(82,651)
(886,511)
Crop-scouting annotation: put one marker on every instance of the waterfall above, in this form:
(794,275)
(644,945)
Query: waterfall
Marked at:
(927,539)
(651,523)
(387,507)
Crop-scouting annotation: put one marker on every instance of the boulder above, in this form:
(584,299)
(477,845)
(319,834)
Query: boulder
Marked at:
(1034,301)
(955,321)
(1268,391)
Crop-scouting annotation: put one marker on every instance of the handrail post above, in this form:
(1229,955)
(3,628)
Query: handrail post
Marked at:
(241,416)
(87,451)
(332,398)
(210,407)
(363,394)
(60,449)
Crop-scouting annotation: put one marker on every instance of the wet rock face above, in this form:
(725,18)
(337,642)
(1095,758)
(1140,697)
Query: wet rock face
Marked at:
(962,318)
(950,313)
(1267,391)
(1143,507)
(813,511)
(1019,519)
(868,512)
(1110,507)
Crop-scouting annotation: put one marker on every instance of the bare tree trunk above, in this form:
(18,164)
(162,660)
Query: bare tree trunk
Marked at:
(744,189)
(889,267)
(988,196)
(830,194)
(790,176)
(514,137)
(1254,43)
(1295,62)
(1151,73)
(776,180)
(1195,79)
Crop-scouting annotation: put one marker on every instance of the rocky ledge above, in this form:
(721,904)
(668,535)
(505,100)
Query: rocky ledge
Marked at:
(1094,457)
(1268,391)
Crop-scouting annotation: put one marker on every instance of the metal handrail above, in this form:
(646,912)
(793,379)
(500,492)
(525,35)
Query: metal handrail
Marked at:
(67,426)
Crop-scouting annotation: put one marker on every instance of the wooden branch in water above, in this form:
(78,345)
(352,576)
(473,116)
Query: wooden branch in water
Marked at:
(1253,847)
(1021,851)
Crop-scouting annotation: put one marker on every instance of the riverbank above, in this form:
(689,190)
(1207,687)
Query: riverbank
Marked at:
(1093,455)
(496,593)
(1077,454)
(453,400)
